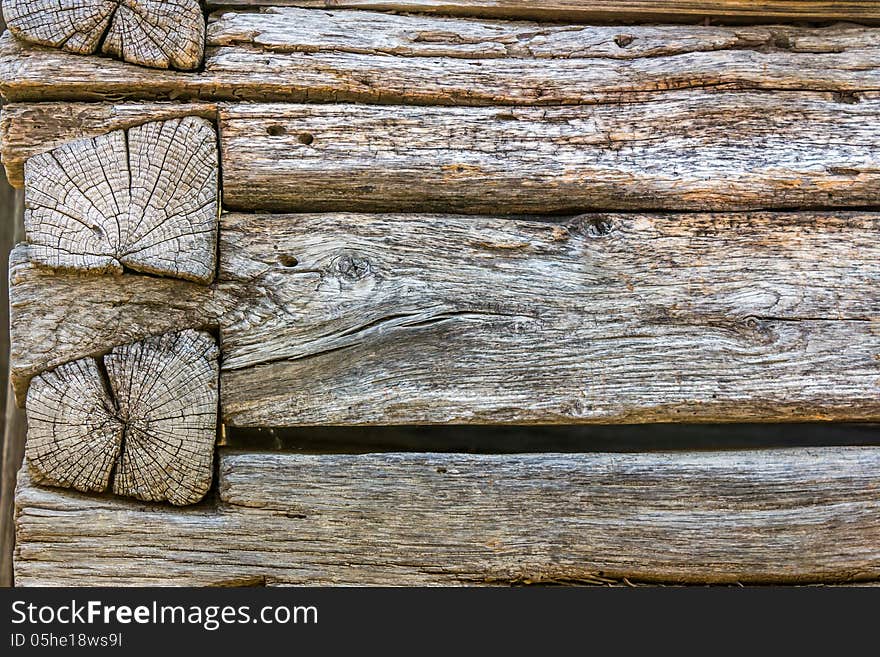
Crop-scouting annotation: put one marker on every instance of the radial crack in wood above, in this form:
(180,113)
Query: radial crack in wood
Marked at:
(153,436)
(156,33)
(145,198)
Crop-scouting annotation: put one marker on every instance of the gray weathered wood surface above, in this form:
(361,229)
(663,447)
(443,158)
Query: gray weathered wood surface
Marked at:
(309,55)
(159,33)
(770,516)
(396,319)
(692,150)
(143,425)
(50,310)
(27,130)
(607,10)
(145,198)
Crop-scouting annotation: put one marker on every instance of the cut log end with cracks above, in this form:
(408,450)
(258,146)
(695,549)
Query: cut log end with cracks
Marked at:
(144,199)
(155,33)
(147,431)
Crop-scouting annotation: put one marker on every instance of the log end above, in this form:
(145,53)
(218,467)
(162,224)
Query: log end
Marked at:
(141,422)
(155,33)
(145,198)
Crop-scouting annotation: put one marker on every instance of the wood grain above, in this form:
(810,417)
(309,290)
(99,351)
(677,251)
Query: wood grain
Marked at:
(770,516)
(305,56)
(400,319)
(27,130)
(56,316)
(686,150)
(608,10)
(146,431)
(158,33)
(372,319)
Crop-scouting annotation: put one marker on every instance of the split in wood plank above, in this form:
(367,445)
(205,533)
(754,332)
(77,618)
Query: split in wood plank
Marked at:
(607,10)
(156,33)
(307,56)
(769,516)
(145,198)
(398,319)
(148,431)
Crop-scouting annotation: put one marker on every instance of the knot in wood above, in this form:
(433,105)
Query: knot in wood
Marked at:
(352,267)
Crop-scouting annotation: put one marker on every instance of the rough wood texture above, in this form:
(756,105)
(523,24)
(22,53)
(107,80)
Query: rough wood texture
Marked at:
(145,198)
(378,319)
(58,316)
(777,516)
(157,33)
(300,55)
(366,319)
(608,10)
(693,150)
(151,438)
(28,130)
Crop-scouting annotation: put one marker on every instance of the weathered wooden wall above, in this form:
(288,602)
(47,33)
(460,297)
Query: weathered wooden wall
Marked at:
(658,223)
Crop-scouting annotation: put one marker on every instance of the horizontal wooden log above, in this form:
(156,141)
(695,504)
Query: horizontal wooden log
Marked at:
(306,55)
(403,319)
(27,130)
(607,10)
(777,516)
(58,317)
(158,33)
(691,150)
(369,319)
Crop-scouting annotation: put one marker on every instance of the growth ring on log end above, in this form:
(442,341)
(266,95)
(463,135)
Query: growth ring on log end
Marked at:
(156,33)
(145,198)
(147,432)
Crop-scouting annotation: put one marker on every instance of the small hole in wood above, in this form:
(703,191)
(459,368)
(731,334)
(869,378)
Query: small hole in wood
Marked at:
(276,130)
(306,138)
(98,231)
(847,98)
(287,260)
(623,40)
(441,470)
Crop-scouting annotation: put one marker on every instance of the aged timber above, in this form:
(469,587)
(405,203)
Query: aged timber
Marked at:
(308,55)
(31,129)
(608,10)
(770,516)
(396,319)
(146,198)
(146,431)
(158,33)
(683,150)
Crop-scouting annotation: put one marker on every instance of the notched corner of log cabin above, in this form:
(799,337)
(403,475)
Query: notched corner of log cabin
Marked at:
(142,421)
(58,316)
(145,198)
(155,33)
